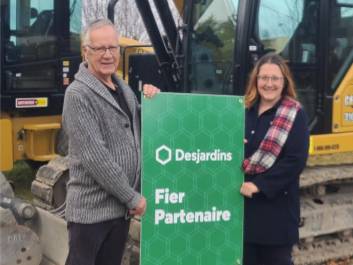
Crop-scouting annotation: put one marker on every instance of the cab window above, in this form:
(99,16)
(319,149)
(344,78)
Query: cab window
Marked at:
(211,47)
(291,28)
(340,41)
(30,34)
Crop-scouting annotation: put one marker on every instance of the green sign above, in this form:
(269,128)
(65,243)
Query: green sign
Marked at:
(192,147)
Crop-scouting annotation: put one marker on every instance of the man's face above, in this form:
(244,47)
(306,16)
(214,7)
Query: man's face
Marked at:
(102,52)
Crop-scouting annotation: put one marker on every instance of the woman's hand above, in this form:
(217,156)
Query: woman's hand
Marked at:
(248,189)
(149,91)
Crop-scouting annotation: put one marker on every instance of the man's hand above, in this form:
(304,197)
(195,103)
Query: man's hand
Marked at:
(150,91)
(140,208)
(248,189)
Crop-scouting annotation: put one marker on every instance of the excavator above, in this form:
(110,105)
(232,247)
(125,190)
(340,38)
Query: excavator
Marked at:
(209,46)
(212,46)
(40,51)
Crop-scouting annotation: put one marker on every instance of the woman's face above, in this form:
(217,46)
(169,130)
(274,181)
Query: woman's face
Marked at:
(270,83)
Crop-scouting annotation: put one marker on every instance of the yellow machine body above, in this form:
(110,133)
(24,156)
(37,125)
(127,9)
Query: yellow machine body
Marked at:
(6,153)
(341,138)
(33,138)
(129,47)
(27,138)
(342,118)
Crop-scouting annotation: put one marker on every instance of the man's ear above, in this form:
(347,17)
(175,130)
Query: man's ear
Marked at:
(84,51)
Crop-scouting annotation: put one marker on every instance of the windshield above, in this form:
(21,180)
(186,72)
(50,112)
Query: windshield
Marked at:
(36,34)
(211,46)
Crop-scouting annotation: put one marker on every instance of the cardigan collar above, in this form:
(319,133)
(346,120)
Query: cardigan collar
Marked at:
(93,83)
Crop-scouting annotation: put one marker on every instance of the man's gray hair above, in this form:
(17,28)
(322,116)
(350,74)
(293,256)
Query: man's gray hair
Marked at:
(99,23)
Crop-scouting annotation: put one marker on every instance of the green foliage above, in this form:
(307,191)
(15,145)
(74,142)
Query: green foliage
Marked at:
(21,176)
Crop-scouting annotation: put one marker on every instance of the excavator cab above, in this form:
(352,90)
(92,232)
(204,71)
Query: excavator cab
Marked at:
(214,47)
(225,38)
(40,53)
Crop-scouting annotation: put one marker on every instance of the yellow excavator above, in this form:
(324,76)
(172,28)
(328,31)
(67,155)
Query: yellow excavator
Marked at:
(209,46)
(212,46)
(40,52)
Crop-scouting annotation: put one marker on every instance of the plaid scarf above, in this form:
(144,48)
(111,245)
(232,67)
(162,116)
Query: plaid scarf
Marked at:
(276,136)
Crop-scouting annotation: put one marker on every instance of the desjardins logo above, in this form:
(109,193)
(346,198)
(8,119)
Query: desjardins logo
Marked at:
(164,155)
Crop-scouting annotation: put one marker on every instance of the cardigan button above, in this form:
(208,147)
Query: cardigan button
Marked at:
(127,125)
(252,132)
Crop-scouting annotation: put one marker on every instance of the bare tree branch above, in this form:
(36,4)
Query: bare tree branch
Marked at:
(127,18)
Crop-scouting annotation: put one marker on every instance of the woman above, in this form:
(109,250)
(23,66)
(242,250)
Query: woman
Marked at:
(276,148)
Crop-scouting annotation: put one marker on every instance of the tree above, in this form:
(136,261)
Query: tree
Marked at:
(127,18)
(129,22)
(92,10)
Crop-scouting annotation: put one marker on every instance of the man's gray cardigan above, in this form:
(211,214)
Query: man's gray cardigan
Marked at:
(104,153)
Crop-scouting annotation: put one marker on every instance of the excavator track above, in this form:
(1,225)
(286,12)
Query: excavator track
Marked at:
(325,174)
(331,213)
(49,186)
(322,250)
(326,210)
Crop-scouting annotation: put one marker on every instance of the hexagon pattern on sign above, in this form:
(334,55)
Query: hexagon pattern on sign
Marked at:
(195,211)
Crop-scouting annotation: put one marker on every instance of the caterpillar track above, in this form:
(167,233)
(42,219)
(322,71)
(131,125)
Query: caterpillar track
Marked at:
(326,210)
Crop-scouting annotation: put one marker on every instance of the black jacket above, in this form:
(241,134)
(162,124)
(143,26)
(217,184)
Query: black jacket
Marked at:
(272,215)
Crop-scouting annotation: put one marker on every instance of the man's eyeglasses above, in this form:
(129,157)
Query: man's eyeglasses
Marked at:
(102,50)
(266,78)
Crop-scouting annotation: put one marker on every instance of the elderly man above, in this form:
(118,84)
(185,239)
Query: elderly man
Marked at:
(101,119)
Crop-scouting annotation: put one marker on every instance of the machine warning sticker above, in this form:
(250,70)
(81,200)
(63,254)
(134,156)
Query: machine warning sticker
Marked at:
(31,103)
(348,116)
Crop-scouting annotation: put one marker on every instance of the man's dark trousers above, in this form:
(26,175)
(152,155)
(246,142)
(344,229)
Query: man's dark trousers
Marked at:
(97,244)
